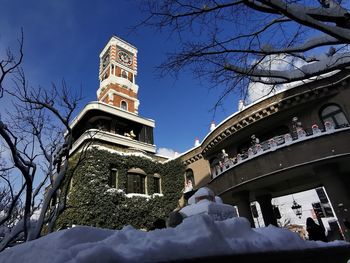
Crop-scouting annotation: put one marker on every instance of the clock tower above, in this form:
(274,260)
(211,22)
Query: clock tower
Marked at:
(117,74)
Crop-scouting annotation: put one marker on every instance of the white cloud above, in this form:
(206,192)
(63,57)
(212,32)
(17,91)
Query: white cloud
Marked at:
(166,152)
(281,62)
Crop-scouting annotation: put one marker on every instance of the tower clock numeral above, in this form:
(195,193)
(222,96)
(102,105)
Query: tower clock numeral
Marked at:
(124,58)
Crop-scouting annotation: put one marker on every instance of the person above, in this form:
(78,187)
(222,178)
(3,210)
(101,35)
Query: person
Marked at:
(296,124)
(315,231)
(254,140)
(254,145)
(224,155)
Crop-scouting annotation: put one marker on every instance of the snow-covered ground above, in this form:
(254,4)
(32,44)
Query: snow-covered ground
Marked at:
(209,228)
(196,236)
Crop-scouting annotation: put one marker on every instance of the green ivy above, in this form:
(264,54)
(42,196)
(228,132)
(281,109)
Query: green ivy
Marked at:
(90,203)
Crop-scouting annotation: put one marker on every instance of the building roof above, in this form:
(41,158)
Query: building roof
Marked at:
(103,107)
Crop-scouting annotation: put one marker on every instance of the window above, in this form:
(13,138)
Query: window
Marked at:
(215,167)
(334,114)
(105,59)
(113,178)
(136,181)
(112,69)
(124,74)
(189,180)
(156,184)
(123,105)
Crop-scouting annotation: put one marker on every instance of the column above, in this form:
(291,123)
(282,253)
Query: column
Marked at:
(337,189)
(267,209)
(243,205)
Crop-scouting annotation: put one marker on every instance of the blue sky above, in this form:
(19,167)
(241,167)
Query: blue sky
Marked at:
(64,38)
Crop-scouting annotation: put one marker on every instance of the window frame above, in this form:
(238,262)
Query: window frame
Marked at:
(192,177)
(332,115)
(157,178)
(113,181)
(124,74)
(138,174)
(126,105)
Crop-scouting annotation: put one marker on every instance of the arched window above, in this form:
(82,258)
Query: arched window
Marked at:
(112,69)
(334,114)
(136,181)
(124,74)
(123,105)
(189,180)
(215,167)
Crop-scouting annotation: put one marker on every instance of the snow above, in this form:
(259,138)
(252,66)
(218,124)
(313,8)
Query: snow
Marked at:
(199,235)
(136,153)
(132,195)
(137,195)
(293,68)
(205,202)
(115,190)
(215,210)
(196,236)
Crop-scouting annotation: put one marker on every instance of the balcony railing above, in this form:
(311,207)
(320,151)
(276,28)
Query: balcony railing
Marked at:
(273,144)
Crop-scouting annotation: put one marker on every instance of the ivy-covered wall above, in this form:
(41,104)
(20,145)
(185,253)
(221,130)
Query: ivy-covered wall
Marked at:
(91,201)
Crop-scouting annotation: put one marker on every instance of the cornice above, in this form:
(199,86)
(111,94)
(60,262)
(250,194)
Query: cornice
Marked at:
(265,108)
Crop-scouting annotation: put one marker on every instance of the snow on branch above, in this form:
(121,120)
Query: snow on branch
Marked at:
(231,38)
(271,76)
(314,42)
(317,18)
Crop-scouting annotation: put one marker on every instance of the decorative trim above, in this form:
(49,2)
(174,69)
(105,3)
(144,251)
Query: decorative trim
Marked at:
(117,80)
(284,103)
(94,134)
(119,42)
(95,105)
(111,91)
(193,159)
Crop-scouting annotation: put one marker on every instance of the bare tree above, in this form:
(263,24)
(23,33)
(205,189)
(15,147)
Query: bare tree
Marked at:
(10,204)
(38,137)
(237,42)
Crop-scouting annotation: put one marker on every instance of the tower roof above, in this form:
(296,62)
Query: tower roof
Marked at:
(120,42)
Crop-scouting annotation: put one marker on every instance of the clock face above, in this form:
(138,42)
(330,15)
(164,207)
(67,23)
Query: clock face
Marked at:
(125,58)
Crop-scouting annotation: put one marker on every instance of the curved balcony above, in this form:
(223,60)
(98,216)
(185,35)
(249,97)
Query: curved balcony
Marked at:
(282,158)
(271,110)
(112,138)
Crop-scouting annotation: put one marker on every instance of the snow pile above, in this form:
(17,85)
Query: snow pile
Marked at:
(197,236)
(205,202)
